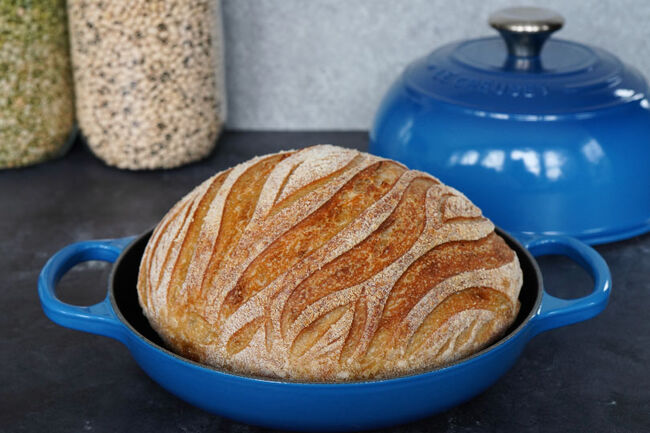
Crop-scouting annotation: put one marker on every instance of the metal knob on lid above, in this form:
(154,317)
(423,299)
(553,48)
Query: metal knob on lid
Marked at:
(525,29)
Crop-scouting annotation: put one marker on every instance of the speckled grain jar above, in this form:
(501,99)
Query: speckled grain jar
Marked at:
(148,79)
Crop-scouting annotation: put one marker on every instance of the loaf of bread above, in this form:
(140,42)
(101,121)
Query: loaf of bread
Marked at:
(327,264)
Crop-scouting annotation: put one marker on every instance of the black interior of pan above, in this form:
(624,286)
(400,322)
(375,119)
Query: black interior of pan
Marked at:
(125,277)
(125,293)
(532,286)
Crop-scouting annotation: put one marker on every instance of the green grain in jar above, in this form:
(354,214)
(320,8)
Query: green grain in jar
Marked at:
(36,91)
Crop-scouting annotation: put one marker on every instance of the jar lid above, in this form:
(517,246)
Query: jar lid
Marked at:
(524,74)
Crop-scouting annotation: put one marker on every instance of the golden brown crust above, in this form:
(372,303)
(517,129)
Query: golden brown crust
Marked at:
(327,264)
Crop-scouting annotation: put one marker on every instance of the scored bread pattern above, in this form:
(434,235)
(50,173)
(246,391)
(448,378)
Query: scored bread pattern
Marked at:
(327,264)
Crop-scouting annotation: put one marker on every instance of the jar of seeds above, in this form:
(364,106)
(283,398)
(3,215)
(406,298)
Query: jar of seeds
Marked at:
(148,79)
(36,92)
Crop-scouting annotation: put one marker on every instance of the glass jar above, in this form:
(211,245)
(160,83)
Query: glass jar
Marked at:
(148,79)
(37,103)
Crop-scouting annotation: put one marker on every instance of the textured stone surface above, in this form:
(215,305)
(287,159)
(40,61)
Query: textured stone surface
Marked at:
(589,377)
(325,64)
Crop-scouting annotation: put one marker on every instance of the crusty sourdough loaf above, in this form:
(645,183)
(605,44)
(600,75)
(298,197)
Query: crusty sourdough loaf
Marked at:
(327,264)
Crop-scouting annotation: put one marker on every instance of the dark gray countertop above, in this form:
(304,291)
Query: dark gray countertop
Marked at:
(589,377)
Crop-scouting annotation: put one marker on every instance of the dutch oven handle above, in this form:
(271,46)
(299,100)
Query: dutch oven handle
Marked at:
(97,319)
(555,312)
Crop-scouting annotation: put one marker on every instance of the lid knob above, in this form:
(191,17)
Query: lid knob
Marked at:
(525,29)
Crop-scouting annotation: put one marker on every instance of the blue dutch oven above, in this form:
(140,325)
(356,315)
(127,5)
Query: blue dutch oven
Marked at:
(317,406)
(544,141)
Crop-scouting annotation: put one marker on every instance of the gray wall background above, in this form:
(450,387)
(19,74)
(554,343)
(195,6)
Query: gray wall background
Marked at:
(325,64)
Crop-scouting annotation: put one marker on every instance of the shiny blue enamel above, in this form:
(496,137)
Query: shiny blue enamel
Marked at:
(317,406)
(552,145)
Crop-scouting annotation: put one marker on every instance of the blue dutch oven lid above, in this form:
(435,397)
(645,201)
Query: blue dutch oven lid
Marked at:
(546,136)
(523,74)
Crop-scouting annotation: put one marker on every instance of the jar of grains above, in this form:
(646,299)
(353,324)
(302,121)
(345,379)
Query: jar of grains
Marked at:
(148,79)
(36,92)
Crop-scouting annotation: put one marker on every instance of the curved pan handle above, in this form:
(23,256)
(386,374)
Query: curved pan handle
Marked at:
(97,319)
(555,312)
